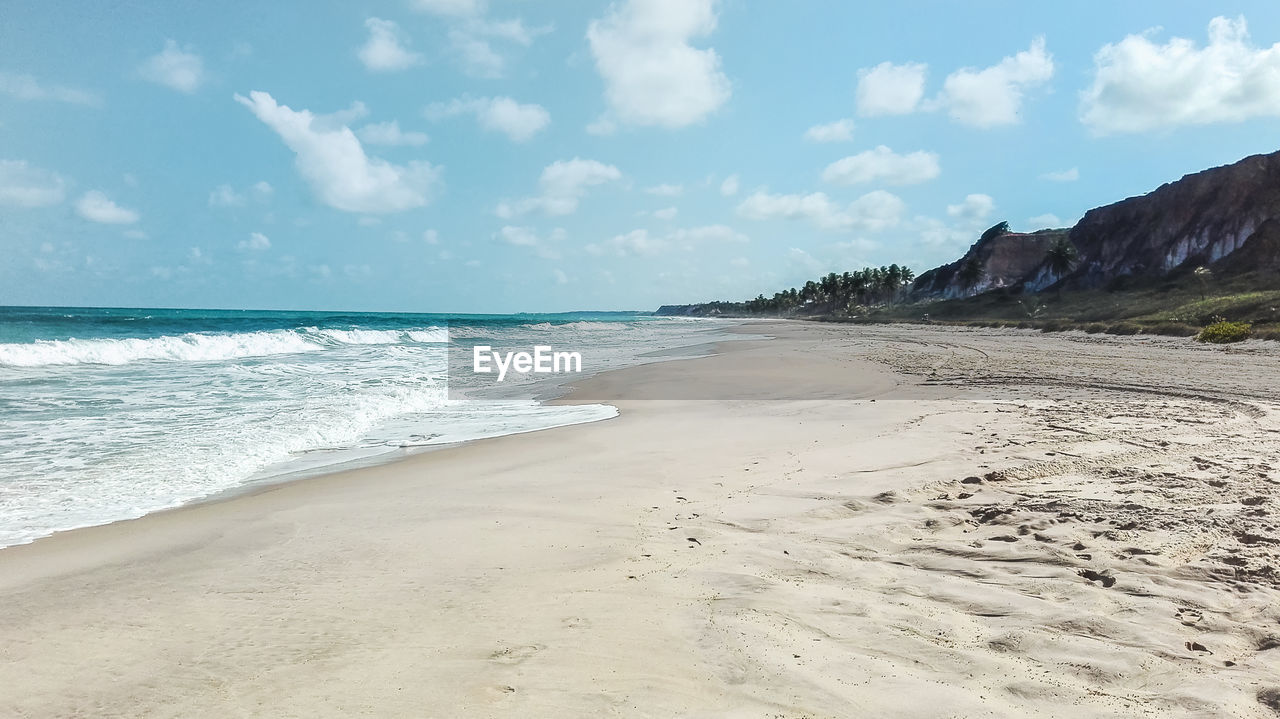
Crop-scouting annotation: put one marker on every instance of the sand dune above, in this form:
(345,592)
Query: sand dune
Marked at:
(840,522)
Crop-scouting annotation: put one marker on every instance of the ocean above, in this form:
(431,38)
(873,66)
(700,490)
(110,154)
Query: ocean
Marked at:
(109,414)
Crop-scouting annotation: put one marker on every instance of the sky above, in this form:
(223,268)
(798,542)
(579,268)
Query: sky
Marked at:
(506,156)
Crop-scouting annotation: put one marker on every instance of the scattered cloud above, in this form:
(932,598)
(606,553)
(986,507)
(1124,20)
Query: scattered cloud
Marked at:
(1047,220)
(872,212)
(653,76)
(227,196)
(97,207)
(838,131)
(1139,85)
(24,185)
(471,34)
(389,133)
(431,237)
(602,126)
(26,87)
(334,164)
(889,89)
(563,184)
(666,213)
(665,190)
(560,277)
(993,96)
(641,242)
(257,242)
(729,187)
(519,122)
(528,238)
(1062,175)
(383,51)
(974,207)
(175,68)
(883,165)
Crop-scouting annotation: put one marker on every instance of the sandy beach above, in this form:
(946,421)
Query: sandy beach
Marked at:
(841,521)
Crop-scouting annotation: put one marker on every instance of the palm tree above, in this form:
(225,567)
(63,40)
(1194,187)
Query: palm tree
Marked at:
(971,273)
(1061,258)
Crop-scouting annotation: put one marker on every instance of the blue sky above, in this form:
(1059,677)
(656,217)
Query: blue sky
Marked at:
(472,156)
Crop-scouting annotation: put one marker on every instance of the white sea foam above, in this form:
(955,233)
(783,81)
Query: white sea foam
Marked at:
(117,428)
(201,347)
(579,326)
(192,347)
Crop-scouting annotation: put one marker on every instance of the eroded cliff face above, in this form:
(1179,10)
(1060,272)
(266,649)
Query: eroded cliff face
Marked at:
(1005,260)
(1227,218)
(1200,219)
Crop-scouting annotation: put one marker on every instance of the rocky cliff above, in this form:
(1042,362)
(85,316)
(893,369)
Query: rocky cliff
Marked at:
(1226,218)
(1002,260)
(1201,219)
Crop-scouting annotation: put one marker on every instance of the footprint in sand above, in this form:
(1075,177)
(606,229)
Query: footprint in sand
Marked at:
(515,655)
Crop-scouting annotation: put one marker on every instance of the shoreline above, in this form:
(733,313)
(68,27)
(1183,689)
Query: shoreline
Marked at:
(785,537)
(547,393)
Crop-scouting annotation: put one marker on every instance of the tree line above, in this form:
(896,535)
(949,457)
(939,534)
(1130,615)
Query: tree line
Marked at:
(867,286)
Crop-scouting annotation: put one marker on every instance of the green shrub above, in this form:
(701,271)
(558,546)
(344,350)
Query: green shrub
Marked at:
(1271,333)
(1124,328)
(1094,328)
(1054,326)
(1173,329)
(1225,332)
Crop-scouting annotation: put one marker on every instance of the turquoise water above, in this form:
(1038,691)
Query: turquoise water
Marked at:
(107,414)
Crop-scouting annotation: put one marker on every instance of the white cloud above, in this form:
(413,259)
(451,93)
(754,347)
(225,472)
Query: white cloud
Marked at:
(889,89)
(519,122)
(227,196)
(333,162)
(665,190)
(884,165)
(876,211)
(561,277)
(470,33)
(174,68)
(382,52)
(26,87)
(707,233)
(1140,86)
(527,237)
(1062,175)
(518,236)
(23,185)
(652,75)
(872,212)
(974,207)
(341,118)
(640,242)
(838,131)
(95,206)
(257,242)
(475,55)
(666,213)
(1045,220)
(729,187)
(389,133)
(563,184)
(993,96)
(431,237)
(602,126)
